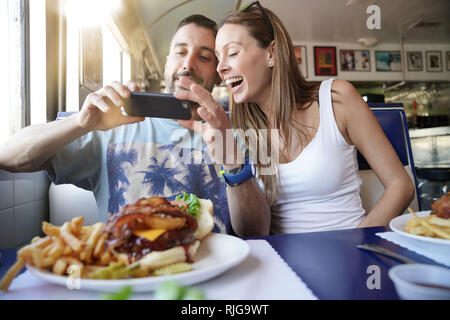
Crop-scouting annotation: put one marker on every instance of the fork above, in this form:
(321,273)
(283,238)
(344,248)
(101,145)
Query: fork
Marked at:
(386,252)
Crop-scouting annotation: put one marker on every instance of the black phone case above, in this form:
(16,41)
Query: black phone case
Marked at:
(157,105)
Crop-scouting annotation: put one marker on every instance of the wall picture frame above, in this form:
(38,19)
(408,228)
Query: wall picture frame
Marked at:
(354,60)
(415,60)
(447,58)
(434,61)
(388,61)
(325,61)
(301,57)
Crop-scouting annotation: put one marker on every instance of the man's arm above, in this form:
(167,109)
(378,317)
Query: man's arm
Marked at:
(31,148)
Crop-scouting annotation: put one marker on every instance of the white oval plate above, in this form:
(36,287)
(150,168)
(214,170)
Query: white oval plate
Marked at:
(216,254)
(398,225)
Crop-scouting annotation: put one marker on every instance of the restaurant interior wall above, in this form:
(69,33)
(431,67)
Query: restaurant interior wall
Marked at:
(374,75)
(23,207)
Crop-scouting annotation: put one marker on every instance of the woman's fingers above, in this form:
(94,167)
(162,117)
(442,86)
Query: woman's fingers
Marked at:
(209,110)
(132,86)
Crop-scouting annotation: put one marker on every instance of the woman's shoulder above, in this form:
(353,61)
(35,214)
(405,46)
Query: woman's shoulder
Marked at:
(343,91)
(348,105)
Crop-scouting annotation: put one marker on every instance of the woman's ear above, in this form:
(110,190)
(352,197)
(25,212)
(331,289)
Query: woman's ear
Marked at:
(271,54)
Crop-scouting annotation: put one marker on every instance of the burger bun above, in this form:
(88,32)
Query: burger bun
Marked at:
(205,219)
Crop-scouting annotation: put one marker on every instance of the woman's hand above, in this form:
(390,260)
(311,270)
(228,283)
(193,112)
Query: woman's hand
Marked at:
(216,132)
(102,109)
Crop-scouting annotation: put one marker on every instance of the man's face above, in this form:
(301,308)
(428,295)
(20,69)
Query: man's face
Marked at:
(191,55)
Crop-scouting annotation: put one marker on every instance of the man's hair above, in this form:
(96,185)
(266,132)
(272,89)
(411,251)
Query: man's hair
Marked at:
(200,21)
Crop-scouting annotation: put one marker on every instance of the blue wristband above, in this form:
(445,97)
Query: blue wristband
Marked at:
(233,180)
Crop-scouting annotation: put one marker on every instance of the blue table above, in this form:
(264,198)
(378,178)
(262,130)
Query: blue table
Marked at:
(328,262)
(334,268)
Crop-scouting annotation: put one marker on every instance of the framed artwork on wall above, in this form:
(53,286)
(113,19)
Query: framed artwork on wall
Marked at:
(434,61)
(354,60)
(415,60)
(300,56)
(388,61)
(325,61)
(447,55)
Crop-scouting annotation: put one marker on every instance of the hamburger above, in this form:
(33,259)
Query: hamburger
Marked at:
(155,232)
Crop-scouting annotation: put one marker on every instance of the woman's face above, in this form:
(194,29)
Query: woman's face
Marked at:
(243,65)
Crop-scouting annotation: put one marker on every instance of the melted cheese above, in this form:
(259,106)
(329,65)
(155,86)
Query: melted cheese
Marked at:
(151,234)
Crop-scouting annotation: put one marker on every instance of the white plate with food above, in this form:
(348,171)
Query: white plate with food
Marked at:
(217,253)
(147,243)
(418,230)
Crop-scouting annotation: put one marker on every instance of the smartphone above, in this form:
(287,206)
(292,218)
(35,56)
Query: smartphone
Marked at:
(157,105)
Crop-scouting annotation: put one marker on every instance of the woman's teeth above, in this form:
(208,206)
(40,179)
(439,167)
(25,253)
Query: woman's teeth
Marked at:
(234,81)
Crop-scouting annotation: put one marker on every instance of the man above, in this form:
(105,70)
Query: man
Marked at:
(123,158)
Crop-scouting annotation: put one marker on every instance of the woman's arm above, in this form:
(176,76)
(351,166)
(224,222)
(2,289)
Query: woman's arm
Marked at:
(249,209)
(360,127)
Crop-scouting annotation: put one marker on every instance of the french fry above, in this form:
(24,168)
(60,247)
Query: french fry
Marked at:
(85,234)
(100,245)
(85,255)
(69,238)
(438,221)
(50,229)
(71,261)
(67,251)
(27,251)
(49,247)
(54,253)
(438,231)
(60,266)
(11,274)
(413,223)
(76,225)
(38,257)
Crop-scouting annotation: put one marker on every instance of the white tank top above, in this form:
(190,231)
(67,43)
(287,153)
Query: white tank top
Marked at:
(319,190)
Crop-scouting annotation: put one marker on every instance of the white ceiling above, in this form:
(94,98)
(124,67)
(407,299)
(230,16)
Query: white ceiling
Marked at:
(332,21)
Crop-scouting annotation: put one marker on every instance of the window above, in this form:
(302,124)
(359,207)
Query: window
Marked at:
(94,56)
(13,58)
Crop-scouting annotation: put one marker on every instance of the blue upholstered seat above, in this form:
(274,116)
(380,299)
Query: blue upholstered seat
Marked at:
(392,119)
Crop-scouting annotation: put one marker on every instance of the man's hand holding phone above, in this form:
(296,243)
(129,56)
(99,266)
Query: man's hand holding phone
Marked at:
(102,109)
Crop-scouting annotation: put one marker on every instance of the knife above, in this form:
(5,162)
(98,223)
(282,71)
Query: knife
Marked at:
(386,252)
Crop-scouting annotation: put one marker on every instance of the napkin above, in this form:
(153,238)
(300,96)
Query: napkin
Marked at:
(263,275)
(435,251)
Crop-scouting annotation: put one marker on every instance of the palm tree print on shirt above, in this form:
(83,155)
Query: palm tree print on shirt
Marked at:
(117,174)
(159,176)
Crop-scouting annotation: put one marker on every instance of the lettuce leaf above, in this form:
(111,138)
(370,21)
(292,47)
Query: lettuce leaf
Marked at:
(192,202)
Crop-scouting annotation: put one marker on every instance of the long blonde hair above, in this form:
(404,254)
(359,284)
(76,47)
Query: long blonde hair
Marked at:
(289,90)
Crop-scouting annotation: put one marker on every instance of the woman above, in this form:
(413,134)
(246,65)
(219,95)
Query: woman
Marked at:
(316,186)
